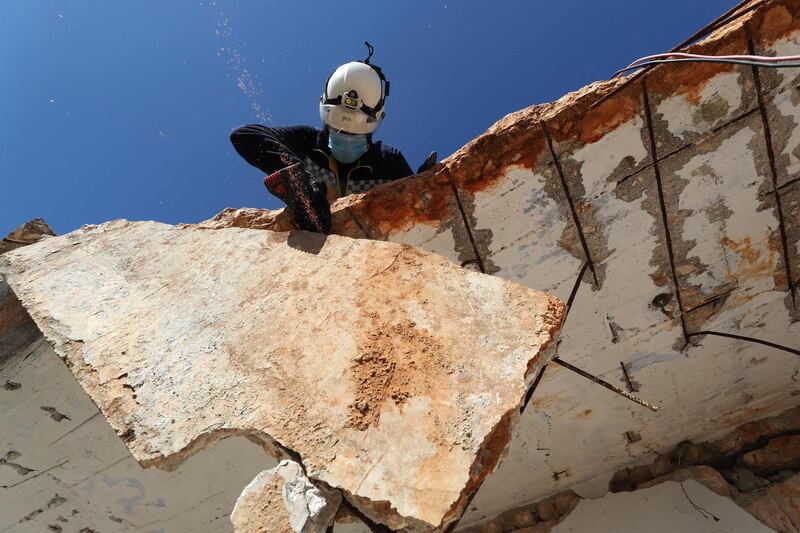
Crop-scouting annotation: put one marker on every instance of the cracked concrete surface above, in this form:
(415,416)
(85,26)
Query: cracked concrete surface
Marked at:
(184,337)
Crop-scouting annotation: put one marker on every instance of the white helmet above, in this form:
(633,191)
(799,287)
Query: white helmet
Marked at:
(354,97)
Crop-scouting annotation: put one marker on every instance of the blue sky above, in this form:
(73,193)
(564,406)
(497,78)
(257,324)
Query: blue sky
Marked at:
(123,109)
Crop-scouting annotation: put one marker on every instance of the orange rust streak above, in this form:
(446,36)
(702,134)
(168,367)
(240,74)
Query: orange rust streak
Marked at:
(777,22)
(752,265)
(399,205)
(480,164)
(609,115)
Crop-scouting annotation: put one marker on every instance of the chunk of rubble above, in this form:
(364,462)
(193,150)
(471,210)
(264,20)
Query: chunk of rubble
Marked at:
(28,233)
(392,373)
(283,500)
(16,327)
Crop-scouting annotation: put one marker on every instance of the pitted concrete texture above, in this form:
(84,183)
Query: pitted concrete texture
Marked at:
(392,373)
(669,209)
(283,500)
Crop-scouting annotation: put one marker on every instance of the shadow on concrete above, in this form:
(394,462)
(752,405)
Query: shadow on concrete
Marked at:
(306,241)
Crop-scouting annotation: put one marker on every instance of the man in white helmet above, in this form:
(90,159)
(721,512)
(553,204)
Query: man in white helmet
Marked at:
(308,168)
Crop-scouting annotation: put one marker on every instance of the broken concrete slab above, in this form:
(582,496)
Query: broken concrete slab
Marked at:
(283,500)
(186,336)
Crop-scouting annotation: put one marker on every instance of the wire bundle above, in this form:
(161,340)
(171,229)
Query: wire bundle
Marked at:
(682,57)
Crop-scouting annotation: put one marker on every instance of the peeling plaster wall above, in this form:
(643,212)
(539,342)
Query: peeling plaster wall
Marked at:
(712,184)
(63,468)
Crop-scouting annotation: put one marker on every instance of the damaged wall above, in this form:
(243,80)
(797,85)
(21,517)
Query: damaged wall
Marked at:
(660,209)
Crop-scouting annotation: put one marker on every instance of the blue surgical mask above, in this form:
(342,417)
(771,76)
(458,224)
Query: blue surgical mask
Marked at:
(347,148)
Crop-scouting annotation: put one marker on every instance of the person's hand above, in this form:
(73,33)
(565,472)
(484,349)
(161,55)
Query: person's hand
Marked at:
(429,163)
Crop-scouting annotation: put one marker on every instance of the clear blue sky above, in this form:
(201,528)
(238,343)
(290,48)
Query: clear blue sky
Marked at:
(123,109)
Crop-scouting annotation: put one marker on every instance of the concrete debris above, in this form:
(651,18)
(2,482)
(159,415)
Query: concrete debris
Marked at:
(16,327)
(185,336)
(283,500)
(777,505)
(780,453)
(28,233)
(540,516)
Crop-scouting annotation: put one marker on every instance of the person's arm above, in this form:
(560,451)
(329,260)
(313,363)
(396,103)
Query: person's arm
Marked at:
(271,149)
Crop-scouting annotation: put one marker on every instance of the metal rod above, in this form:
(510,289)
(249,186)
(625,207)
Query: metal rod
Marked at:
(574,292)
(773,168)
(748,339)
(663,208)
(605,384)
(529,395)
(464,217)
(627,377)
(575,219)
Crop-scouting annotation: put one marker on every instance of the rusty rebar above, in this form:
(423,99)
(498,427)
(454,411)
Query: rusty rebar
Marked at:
(773,168)
(575,219)
(663,208)
(605,384)
(530,392)
(775,345)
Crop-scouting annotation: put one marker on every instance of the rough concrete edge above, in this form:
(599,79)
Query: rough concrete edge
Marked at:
(497,439)
(506,424)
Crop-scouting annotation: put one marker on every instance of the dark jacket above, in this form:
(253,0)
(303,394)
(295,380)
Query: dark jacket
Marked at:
(271,149)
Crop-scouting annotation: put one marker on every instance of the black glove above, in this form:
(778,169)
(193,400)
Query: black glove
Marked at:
(306,197)
(429,162)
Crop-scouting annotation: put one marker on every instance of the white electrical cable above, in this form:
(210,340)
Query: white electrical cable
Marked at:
(678,57)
